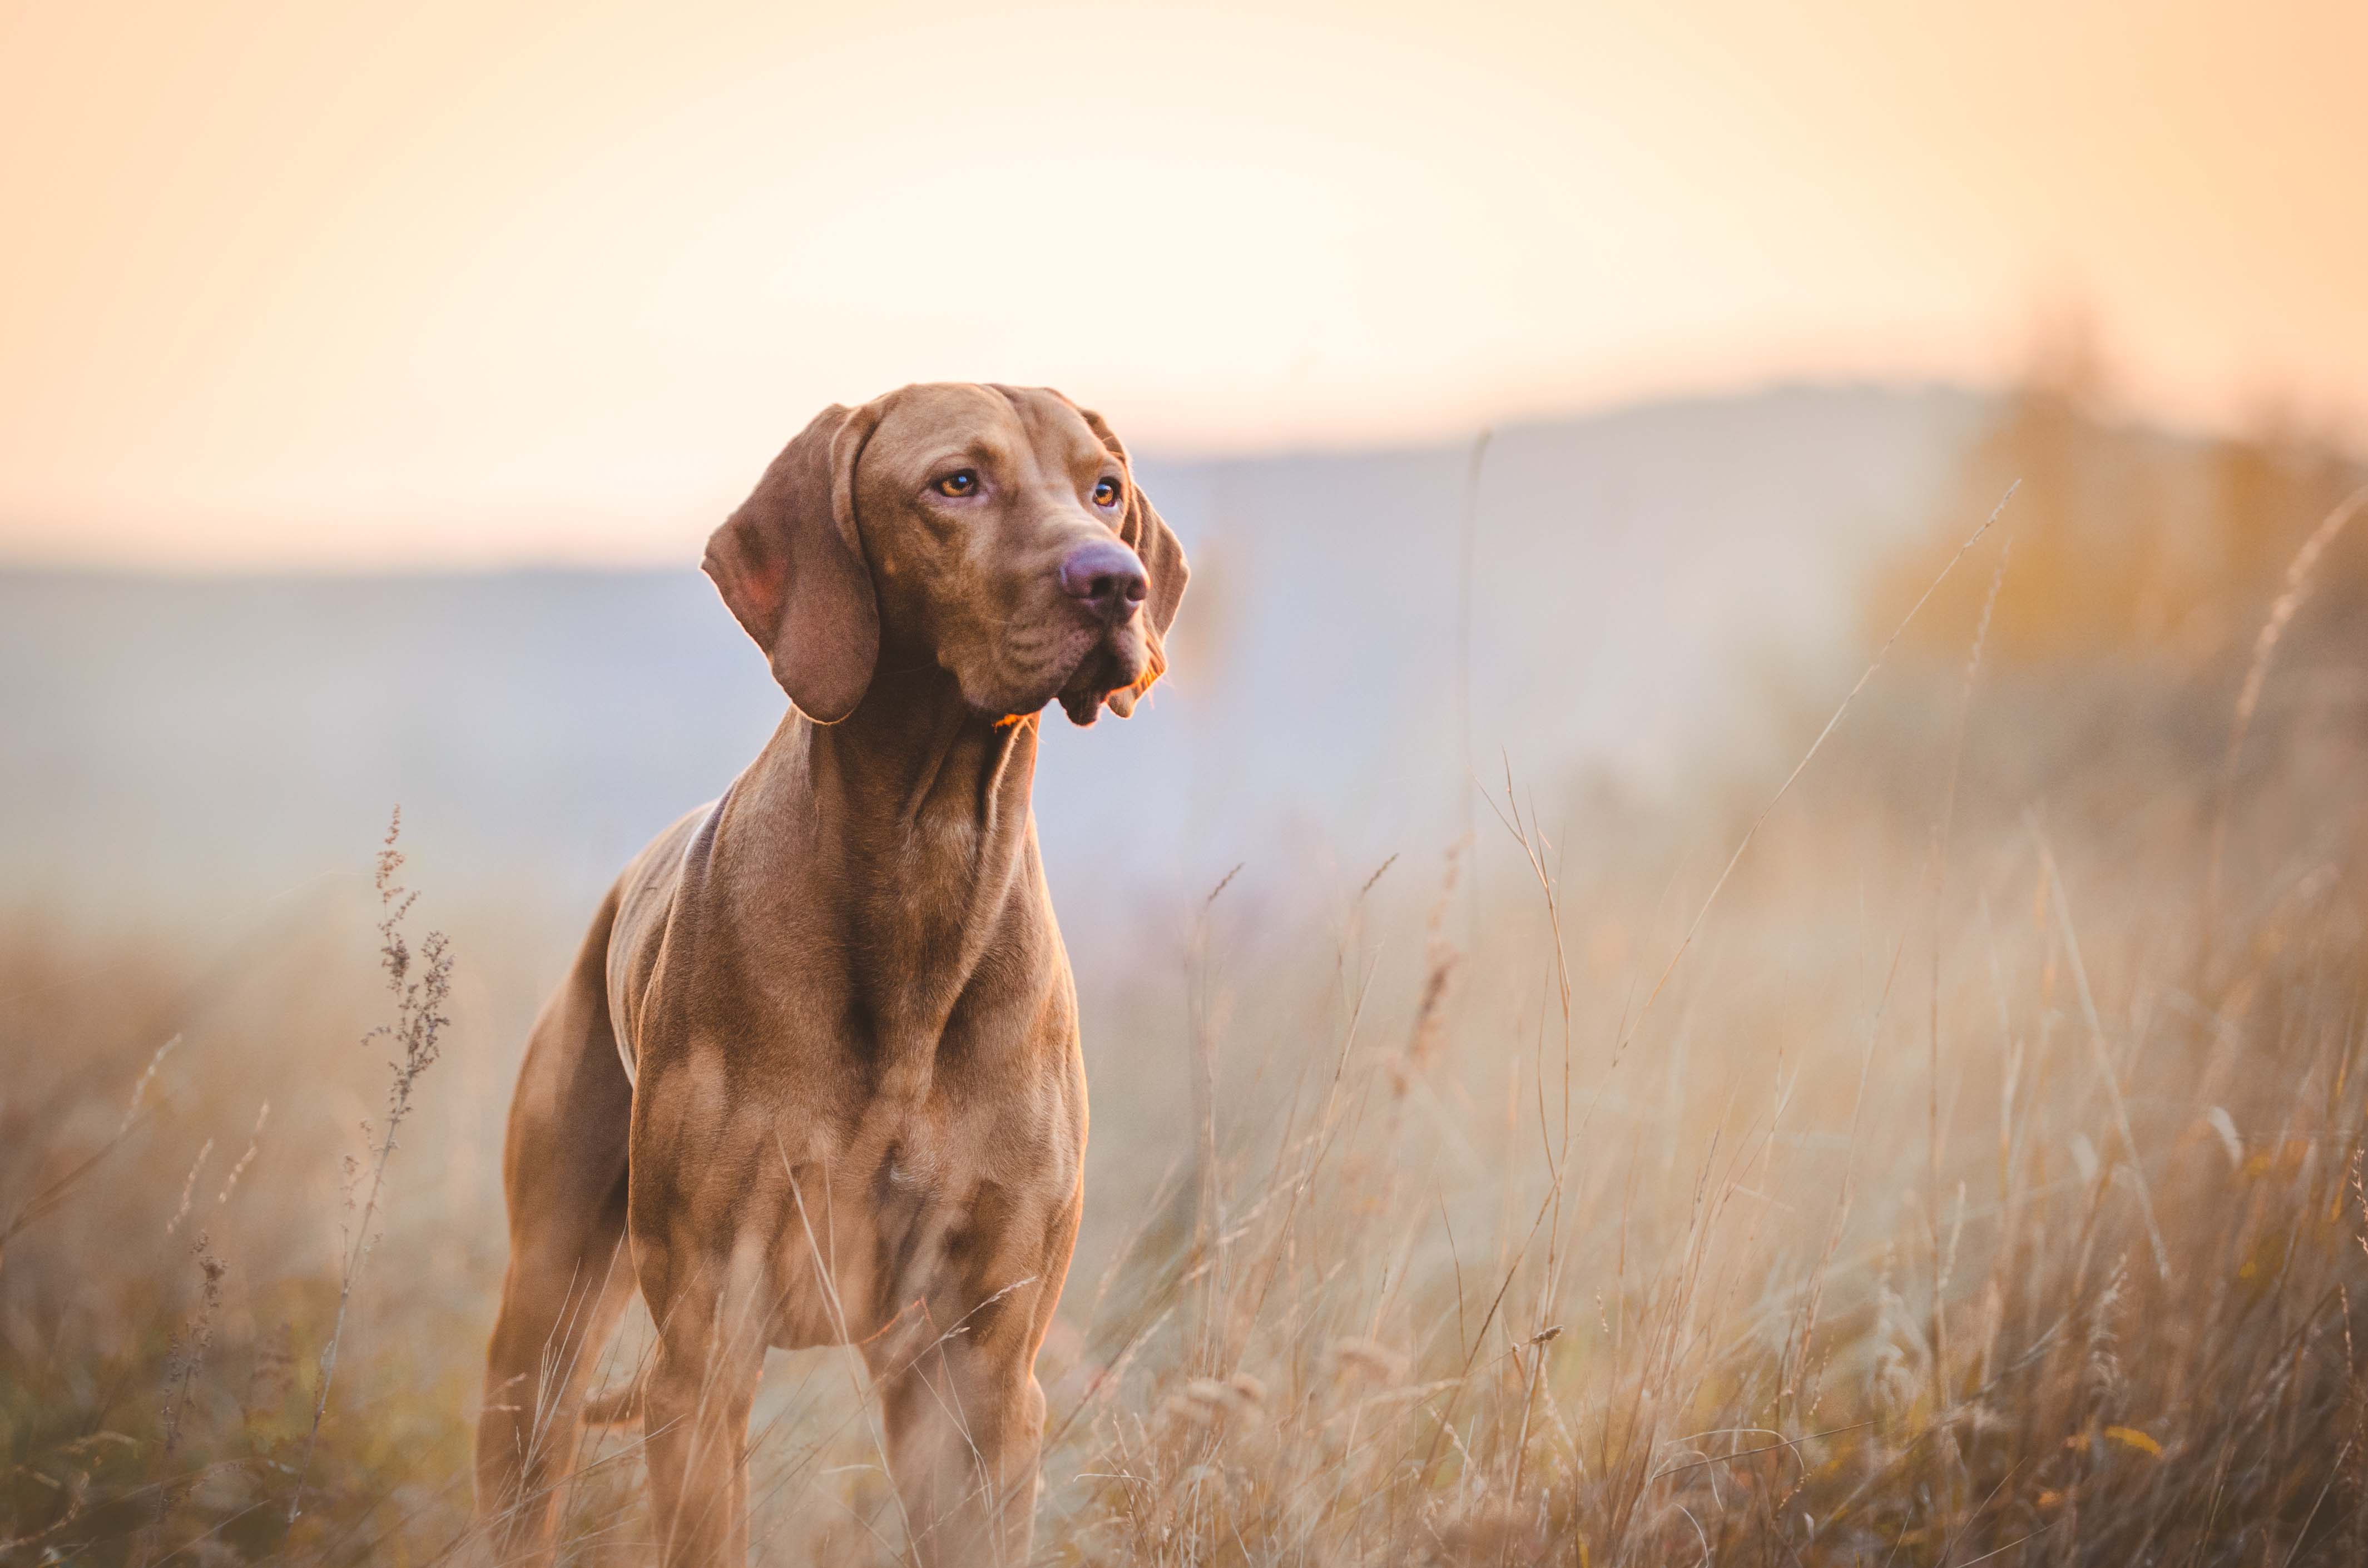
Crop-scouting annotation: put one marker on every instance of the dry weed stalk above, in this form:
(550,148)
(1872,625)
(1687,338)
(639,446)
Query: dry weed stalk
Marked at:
(421,986)
(56,1194)
(2300,573)
(1441,958)
(187,1358)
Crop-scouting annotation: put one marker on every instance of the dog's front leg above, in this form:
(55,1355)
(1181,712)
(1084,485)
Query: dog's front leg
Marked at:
(695,1418)
(965,1425)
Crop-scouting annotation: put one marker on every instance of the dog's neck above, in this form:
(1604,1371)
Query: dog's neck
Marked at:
(919,805)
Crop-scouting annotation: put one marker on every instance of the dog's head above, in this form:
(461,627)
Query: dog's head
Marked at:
(996,531)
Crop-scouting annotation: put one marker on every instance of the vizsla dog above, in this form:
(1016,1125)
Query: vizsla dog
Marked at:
(814,1078)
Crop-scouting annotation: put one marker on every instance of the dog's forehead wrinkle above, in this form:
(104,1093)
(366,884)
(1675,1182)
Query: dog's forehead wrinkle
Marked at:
(953,446)
(925,446)
(1032,445)
(1060,441)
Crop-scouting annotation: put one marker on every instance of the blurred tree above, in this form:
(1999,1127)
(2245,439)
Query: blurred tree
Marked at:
(2128,542)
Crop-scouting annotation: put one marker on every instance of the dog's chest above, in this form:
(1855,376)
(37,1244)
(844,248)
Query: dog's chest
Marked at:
(910,1225)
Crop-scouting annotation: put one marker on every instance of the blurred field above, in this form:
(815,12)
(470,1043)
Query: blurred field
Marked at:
(1974,1174)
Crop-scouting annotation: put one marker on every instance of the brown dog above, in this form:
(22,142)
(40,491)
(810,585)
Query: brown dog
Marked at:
(818,1059)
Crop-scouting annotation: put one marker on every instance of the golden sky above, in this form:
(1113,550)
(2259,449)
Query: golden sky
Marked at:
(321,283)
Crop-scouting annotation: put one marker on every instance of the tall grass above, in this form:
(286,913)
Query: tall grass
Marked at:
(1968,1181)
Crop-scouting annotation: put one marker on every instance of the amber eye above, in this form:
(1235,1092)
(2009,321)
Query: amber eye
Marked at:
(964,483)
(1105,493)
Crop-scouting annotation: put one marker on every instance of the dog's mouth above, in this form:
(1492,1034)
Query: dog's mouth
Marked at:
(1079,664)
(1116,670)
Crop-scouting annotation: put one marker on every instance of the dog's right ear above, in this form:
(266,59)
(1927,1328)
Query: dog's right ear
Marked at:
(791,566)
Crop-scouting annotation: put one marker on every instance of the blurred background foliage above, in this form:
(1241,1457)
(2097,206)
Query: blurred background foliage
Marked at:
(2129,543)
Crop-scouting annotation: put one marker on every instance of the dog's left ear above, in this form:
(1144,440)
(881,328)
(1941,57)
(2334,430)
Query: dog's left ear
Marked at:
(1154,544)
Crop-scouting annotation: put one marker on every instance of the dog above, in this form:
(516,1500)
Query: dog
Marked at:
(814,1078)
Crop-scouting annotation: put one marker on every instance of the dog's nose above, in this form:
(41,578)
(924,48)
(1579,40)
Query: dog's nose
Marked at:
(1105,576)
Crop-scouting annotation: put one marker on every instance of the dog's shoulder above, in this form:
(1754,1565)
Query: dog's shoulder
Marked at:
(646,895)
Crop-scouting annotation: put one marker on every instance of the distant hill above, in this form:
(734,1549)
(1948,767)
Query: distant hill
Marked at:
(175,742)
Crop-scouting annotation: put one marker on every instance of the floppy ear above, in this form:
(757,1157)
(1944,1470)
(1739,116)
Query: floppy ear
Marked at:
(790,567)
(1152,540)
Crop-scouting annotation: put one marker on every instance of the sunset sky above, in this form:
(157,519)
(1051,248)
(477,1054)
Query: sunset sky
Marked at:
(318,284)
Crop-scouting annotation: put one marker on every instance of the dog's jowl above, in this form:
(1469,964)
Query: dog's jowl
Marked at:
(815,1077)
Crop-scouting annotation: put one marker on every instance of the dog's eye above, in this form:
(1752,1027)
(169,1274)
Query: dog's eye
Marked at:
(1105,493)
(964,483)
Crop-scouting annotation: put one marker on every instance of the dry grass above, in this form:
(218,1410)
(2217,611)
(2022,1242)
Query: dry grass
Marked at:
(1965,1194)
